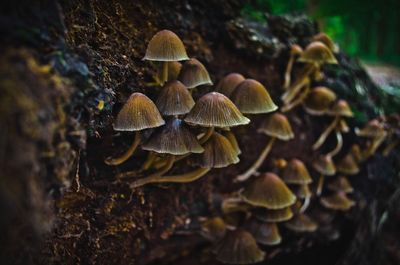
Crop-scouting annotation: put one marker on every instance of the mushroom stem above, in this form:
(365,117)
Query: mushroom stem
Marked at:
(164,75)
(320,185)
(161,171)
(390,147)
(183,178)
(305,205)
(288,71)
(303,80)
(119,160)
(244,176)
(151,157)
(339,144)
(206,135)
(297,101)
(325,133)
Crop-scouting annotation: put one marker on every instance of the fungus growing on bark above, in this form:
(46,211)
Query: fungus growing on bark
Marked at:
(337,201)
(137,114)
(319,100)
(264,233)
(347,165)
(174,99)
(340,184)
(301,223)
(295,50)
(324,165)
(251,97)
(375,131)
(228,84)
(274,216)
(276,126)
(193,74)
(165,46)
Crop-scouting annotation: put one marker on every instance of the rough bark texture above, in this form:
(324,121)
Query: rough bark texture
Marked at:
(60,202)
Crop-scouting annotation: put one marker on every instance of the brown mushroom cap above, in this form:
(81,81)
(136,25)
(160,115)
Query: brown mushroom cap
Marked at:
(264,233)
(174,99)
(296,173)
(251,97)
(341,108)
(319,100)
(165,46)
(317,52)
(213,228)
(302,191)
(301,223)
(218,152)
(232,139)
(337,201)
(372,129)
(174,138)
(324,165)
(277,125)
(275,216)
(296,49)
(325,39)
(238,247)
(174,68)
(215,110)
(356,152)
(138,113)
(347,165)
(268,191)
(228,84)
(340,183)
(193,74)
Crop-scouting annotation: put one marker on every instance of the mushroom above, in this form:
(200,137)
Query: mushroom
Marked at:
(324,165)
(138,113)
(325,39)
(238,247)
(375,131)
(347,165)
(274,216)
(301,223)
(251,97)
(193,74)
(228,84)
(295,50)
(303,192)
(268,191)
(275,126)
(337,201)
(165,46)
(174,99)
(213,228)
(319,101)
(232,139)
(174,68)
(355,150)
(264,233)
(340,183)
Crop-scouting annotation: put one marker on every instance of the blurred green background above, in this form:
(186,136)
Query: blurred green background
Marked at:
(368,29)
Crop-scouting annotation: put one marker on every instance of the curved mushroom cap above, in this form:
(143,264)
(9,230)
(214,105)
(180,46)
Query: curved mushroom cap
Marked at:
(165,46)
(301,223)
(302,191)
(264,233)
(213,228)
(340,183)
(174,68)
(174,138)
(372,129)
(268,191)
(215,110)
(337,201)
(174,99)
(193,74)
(228,84)
(252,97)
(218,152)
(347,165)
(317,52)
(232,139)
(296,49)
(275,216)
(325,39)
(319,100)
(277,125)
(296,173)
(341,108)
(324,165)
(238,247)
(356,152)
(138,113)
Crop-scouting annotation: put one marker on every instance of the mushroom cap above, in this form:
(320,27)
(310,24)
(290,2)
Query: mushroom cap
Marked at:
(193,74)
(238,247)
(174,68)
(174,138)
(325,39)
(324,165)
(232,139)
(356,152)
(319,100)
(251,97)
(215,110)
(296,49)
(213,228)
(317,52)
(228,84)
(277,125)
(372,129)
(337,201)
(302,191)
(165,46)
(301,223)
(342,126)
(275,216)
(340,183)
(341,108)
(264,233)
(348,165)
(174,99)
(137,114)
(296,173)
(218,152)
(268,191)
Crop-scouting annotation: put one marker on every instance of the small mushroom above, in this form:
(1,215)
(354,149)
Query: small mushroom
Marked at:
(295,50)
(340,183)
(375,131)
(268,191)
(296,173)
(337,201)
(301,223)
(355,150)
(319,101)
(232,139)
(174,99)
(213,228)
(228,84)
(303,192)
(347,165)
(165,46)
(238,247)
(274,216)
(193,74)
(138,113)
(174,68)
(251,97)
(264,233)
(325,39)
(324,165)
(276,126)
